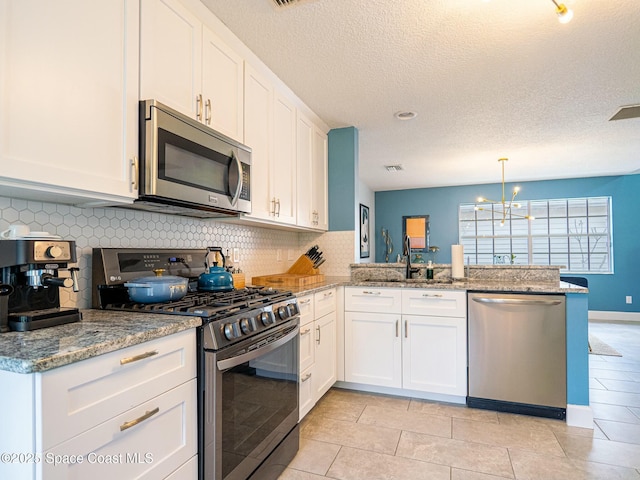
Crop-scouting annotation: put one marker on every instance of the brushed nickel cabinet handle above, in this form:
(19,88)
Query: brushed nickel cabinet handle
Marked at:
(199,106)
(305,302)
(436,295)
(273,206)
(319,334)
(305,332)
(406,329)
(133,423)
(367,292)
(207,111)
(278,204)
(135,358)
(397,330)
(134,173)
(329,294)
(306,377)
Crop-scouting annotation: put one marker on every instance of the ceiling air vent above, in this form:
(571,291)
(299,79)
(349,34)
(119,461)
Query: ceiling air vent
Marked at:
(628,111)
(285,3)
(394,168)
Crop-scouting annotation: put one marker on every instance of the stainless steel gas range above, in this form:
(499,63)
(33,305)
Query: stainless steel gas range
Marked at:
(247,360)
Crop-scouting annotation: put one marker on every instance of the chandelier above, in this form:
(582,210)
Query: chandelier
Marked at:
(564,14)
(506,207)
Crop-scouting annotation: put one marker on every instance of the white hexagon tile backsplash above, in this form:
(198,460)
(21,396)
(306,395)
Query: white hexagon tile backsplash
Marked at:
(118,227)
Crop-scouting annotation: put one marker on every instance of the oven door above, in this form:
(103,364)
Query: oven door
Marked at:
(251,402)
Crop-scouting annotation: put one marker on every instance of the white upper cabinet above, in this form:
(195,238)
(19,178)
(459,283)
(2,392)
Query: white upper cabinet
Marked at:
(304,134)
(320,184)
(222,86)
(258,118)
(312,174)
(69,100)
(283,171)
(187,67)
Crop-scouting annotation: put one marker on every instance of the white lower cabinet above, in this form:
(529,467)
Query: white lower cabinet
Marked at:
(419,343)
(131,413)
(318,356)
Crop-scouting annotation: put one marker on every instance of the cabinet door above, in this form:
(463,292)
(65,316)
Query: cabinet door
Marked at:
(324,368)
(307,400)
(149,441)
(171,56)
(304,134)
(222,86)
(68,84)
(434,354)
(319,205)
(283,170)
(372,347)
(258,117)
(307,348)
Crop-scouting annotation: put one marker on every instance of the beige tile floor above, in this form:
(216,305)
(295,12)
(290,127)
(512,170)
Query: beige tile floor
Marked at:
(354,435)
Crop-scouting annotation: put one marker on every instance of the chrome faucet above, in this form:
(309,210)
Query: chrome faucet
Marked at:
(407,252)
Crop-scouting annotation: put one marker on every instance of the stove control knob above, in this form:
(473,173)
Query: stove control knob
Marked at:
(53,251)
(232,330)
(283,312)
(293,308)
(248,325)
(267,318)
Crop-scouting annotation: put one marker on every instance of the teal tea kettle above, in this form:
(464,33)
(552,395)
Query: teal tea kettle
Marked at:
(215,278)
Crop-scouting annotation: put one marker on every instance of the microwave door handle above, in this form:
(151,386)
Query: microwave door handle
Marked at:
(235,165)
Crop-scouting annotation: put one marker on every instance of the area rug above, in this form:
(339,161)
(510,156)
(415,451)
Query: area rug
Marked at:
(598,347)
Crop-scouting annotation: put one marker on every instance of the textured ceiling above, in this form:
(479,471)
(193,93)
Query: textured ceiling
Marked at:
(488,79)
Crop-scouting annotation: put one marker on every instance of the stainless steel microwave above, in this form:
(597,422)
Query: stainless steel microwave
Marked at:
(187,168)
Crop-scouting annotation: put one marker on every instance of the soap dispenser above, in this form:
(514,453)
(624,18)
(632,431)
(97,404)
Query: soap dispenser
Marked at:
(430,270)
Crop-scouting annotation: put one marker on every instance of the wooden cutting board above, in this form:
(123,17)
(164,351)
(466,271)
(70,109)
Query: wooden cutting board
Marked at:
(287,280)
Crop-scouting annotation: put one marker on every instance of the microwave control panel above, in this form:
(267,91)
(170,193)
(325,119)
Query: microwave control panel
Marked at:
(245,194)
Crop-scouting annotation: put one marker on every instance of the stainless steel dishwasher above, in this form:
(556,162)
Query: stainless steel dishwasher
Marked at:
(517,353)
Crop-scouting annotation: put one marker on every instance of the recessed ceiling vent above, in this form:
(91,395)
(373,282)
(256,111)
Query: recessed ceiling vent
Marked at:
(628,111)
(394,168)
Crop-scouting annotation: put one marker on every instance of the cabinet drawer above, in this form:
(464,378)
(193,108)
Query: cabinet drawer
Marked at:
(78,397)
(324,302)
(305,304)
(363,299)
(121,448)
(443,303)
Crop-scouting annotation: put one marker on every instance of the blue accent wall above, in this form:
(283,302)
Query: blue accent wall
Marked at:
(342,173)
(606,292)
(577,349)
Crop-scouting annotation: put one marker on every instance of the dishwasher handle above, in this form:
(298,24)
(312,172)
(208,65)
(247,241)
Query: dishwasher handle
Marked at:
(516,301)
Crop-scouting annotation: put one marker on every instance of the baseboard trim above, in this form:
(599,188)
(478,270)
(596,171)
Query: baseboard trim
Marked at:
(401,392)
(604,316)
(580,416)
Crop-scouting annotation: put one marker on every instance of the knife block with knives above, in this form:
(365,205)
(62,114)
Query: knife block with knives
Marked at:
(302,273)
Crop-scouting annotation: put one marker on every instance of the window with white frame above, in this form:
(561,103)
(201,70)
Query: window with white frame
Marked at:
(572,232)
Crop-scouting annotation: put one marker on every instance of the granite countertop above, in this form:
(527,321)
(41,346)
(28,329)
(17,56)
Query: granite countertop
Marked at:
(99,331)
(473,285)
(479,286)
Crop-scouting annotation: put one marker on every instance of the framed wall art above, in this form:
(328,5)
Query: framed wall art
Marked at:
(365,239)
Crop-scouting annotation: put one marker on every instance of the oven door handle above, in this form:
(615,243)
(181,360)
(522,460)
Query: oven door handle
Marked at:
(228,363)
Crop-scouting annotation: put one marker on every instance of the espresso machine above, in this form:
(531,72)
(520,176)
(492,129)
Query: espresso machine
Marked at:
(30,285)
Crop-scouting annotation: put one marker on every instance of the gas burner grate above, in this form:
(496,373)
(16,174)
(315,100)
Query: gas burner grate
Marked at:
(210,305)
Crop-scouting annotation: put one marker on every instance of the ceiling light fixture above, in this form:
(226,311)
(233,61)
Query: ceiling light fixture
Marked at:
(506,208)
(408,115)
(564,14)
